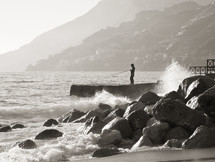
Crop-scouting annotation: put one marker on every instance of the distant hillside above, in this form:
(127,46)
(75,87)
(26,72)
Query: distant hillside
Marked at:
(184,31)
(106,13)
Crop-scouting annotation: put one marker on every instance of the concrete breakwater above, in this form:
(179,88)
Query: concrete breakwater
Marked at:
(131,91)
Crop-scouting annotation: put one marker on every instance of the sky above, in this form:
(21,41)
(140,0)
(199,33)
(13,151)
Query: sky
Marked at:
(23,20)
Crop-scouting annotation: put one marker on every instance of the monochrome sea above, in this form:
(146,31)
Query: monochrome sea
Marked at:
(30,98)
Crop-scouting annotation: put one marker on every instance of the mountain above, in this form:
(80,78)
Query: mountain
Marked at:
(184,31)
(107,13)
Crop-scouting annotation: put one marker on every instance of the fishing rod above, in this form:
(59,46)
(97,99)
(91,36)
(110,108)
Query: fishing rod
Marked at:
(119,73)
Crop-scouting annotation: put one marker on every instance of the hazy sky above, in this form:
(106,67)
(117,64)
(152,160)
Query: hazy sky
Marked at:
(23,20)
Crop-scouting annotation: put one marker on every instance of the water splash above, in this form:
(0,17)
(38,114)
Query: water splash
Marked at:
(173,75)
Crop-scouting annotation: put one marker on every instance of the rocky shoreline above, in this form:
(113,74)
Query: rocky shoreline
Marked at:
(180,119)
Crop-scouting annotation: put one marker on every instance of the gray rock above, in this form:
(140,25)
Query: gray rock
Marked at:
(49,134)
(143,141)
(92,113)
(206,102)
(178,114)
(120,124)
(178,133)
(151,121)
(133,107)
(149,98)
(115,113)
(103,152)
(108,137)
(138,119)
(157,132)
(198,87)
(203,137)
(71,116)
(16,126)
(182,89)
(50,122)
(6,128)
(173,143)
(94,125)
(28,144)
(173,95)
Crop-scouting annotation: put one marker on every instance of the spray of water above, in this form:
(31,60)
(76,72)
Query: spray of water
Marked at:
(173,75)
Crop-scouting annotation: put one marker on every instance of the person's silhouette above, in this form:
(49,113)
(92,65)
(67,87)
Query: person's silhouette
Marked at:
(132,73)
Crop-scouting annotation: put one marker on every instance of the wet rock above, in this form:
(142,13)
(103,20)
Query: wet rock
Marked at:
(16,126)
(203,137)
(133,107)
(149,98)
(125,143)
(104,107)
(173,143)
(28,144)
(157,132)
(108,137)
(103,152)
(115,113)
(193,103)
(49,134)
(182,89)
(71,116)
(206,102)
(173,95)
(137,134)
(91,113)
(198,87)
(143,141)
(122,106)
(138,119)
(6,128)
(151,121)
(120,124)
(50,122)
(178,133)
(149,109)
(94,125)
(178,114)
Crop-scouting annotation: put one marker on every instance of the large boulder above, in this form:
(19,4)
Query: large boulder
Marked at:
(173,143)
(138,119)
(178,114)
(104,107)
(157,132)
(151,121)
(173,95)
(50,122)
(203,137)
(108,137)
(182,89)
(149,109)
(49,134)
(27,144)
(115,113)
(94,125)
(122,106)
(120,124)
(198,87)
(149,98)
(5,128)
(132,107)
(206,102)
(178,133)
(143,141)
(103,152)
(71,116)
(92,113)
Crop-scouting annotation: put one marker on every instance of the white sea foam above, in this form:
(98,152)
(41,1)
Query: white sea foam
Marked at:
(173,75)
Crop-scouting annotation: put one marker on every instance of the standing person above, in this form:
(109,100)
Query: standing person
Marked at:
(132,74)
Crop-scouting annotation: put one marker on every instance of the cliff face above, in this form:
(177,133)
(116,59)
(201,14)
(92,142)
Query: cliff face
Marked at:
(184,32)
(106,13)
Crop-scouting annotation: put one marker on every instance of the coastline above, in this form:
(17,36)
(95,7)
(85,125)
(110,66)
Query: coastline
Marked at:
(159,155)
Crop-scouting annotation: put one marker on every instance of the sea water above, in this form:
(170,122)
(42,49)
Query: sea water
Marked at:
(31,98)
